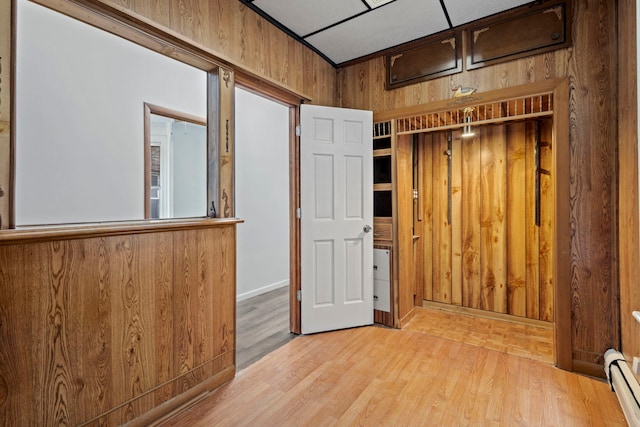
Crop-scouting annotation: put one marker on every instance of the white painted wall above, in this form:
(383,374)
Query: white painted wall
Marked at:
(189,174)
(79,109)
(262,194)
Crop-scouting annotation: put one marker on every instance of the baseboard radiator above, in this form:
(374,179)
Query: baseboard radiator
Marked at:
(624,384)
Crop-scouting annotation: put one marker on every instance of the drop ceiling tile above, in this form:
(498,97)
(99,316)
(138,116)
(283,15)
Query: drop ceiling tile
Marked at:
(306,16)
(463,11)
(393,24)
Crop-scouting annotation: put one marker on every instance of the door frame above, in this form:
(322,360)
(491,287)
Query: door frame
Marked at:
(292,101)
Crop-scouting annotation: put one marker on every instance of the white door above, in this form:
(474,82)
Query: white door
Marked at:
(336,174)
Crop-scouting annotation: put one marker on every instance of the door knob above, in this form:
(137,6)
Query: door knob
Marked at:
(367,228)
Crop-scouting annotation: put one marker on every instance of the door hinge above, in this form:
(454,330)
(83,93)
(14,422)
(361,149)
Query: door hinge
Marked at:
(299,295)
(298,213)
(298,130)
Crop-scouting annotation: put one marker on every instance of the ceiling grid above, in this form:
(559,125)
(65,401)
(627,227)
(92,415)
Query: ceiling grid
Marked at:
(345,30)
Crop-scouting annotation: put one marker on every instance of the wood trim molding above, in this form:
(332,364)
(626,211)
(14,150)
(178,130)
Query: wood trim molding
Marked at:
(123,22)
(172,407)
(177,115)
(492,96)
(562,229)
(80,231)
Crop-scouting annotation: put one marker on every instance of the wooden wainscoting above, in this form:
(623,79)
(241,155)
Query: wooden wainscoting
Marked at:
(102,324)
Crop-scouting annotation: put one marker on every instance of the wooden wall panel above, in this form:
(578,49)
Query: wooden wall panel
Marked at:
(628,217)
(594,281)
(404,261)
(493,247)
(425,142)
(456,218)
(492,200)
(239,36)
(471,226)
(441,252)
(532,250)
(547,225)
(121,323)
(591,66)
(516,215)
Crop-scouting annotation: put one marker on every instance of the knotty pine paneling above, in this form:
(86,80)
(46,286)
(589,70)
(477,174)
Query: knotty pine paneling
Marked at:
(240,36)
(471,231)
(492,221)
(591,66)
(441,252)
(493,226)
(546,230)
(123,322)
(406,271)
(628,219)
(517,229)
(425,225)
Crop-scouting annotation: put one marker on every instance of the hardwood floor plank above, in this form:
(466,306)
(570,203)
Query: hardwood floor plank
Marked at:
(262,326)
(379,376)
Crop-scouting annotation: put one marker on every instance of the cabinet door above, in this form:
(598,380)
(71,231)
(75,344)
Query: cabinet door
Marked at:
(381,280)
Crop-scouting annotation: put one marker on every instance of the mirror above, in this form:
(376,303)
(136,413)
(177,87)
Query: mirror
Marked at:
(80,96)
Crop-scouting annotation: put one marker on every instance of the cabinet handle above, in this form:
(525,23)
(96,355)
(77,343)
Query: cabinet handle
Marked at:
(377,234)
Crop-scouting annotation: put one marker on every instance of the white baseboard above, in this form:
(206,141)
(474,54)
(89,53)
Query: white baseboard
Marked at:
(264,289)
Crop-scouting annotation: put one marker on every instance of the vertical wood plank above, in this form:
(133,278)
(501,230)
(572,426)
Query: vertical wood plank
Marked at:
(185,279)
(516,237)
(132,339)
(441,228)
(493,219)
(456,219)
(547,225)
(94,310)
(18,303)
(532,246)
(471,225)
(404,260)
(425,142)
(222,279)
(54,372)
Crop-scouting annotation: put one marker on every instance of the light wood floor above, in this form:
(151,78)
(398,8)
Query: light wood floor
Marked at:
(519,339)
(384,377)
(262,325)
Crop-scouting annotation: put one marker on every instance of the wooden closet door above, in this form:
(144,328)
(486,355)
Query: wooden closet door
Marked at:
(488,253)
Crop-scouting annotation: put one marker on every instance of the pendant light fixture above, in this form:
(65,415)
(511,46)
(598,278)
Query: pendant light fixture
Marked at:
(467,132)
